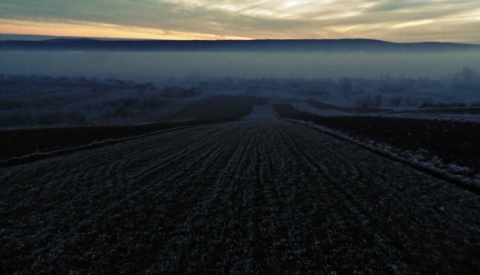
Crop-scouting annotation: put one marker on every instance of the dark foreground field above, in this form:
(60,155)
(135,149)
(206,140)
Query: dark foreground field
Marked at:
(255,196)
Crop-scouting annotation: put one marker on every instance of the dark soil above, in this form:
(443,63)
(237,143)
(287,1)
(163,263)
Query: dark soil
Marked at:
(22,142)
(16,143)
(453,141)
(217,107)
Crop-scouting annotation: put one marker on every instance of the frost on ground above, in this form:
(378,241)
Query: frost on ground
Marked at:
(419,159)
(256,196)
(445,148)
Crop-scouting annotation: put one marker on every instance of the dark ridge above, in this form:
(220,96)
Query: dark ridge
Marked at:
(312,45)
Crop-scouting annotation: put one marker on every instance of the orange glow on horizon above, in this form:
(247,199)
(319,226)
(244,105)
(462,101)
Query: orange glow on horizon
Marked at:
(90,30)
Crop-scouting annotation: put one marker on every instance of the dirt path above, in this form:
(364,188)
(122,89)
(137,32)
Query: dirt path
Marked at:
(254,196)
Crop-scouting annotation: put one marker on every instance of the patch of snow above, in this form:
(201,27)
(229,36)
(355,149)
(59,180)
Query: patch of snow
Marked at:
(446,116)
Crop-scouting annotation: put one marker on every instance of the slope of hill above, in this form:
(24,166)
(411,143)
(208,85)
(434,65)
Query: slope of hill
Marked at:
(308,45)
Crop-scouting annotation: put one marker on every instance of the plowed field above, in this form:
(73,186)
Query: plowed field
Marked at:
(254,196)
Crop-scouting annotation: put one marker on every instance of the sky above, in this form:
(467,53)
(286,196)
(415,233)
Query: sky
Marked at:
(391,20)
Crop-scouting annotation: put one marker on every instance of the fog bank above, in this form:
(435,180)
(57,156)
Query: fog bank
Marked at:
(154,66)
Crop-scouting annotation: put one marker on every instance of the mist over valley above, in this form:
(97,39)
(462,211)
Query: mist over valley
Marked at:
(353,156)
(251,59)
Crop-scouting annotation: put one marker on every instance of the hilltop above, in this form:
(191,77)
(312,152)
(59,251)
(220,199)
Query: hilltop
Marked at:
(305,45)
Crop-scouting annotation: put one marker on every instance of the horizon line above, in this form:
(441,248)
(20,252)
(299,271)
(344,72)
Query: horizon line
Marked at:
(52,37)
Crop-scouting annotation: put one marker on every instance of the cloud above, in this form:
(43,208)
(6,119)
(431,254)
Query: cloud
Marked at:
(397,20)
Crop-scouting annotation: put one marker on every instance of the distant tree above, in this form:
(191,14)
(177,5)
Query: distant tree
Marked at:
(377,101)
(468,75)
(396,101)
(475,104)
(466,79)
(75,118)
(179,92)
(427,103)
(346,86)
(410,102)
(369,101)
(142,88)
(50,118)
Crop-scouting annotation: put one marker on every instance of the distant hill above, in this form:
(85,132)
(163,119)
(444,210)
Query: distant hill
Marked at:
(313,45)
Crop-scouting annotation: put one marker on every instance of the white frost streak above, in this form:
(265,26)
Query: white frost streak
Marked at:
(416,159)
